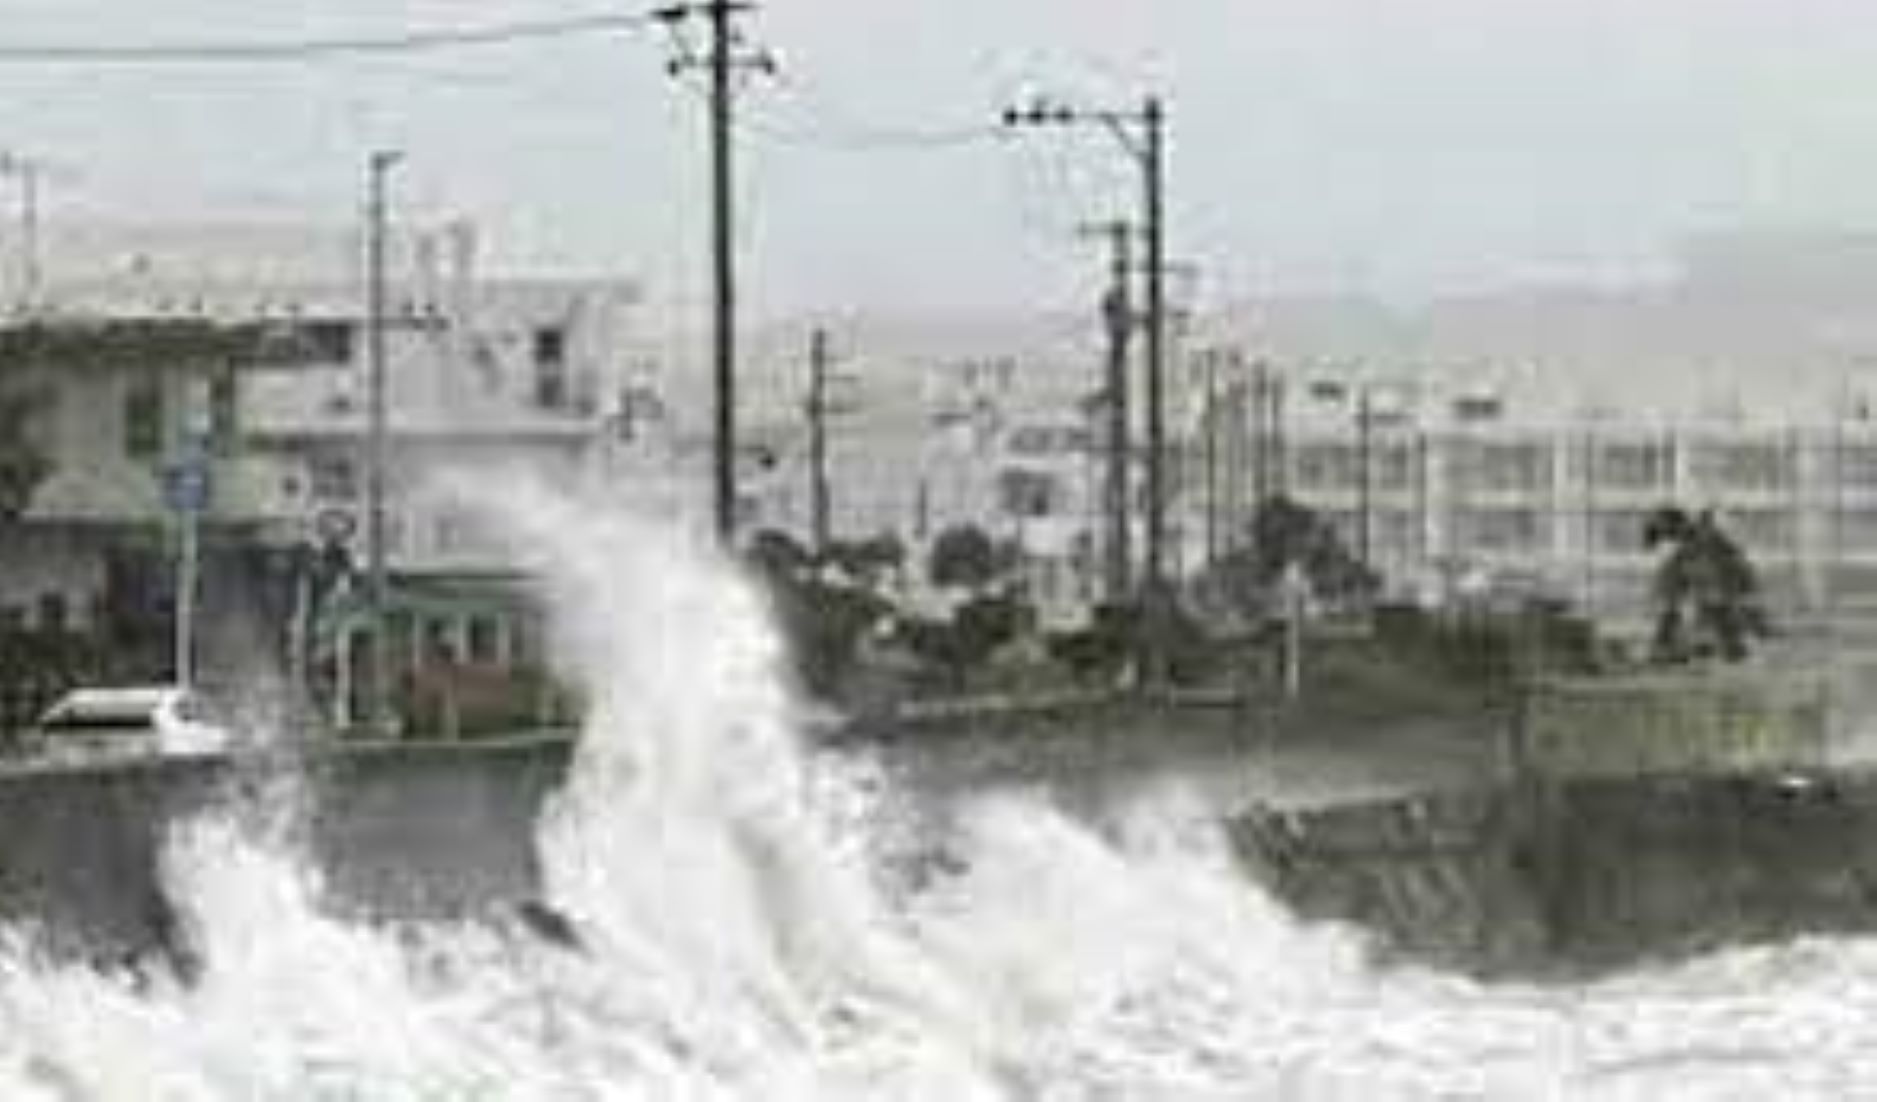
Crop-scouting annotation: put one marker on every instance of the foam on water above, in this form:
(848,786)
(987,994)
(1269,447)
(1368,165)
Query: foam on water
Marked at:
(738,942)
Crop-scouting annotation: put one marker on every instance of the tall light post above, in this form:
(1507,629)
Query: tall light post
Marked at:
(378,701)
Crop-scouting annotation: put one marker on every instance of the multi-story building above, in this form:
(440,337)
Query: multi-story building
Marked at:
(1458,493)
(533,374)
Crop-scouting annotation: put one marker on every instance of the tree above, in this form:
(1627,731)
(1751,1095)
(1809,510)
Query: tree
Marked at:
(1706,589)
(823,621)
(975,631)
(963,555)
(1283,532)
(775,554)
(867,560)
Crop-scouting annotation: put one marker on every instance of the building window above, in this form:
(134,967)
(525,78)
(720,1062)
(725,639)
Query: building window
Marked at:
(1025,493)
(223,412)
(52,611)
(1753,466)
(1515,466)
(1505,529)
(550,345)
(1635,466)
(1857,531)
(143,419)
(1620,530)
(334,477)
(550,367)
(483,639)
(329,340)
(1761,529)
(1326,467)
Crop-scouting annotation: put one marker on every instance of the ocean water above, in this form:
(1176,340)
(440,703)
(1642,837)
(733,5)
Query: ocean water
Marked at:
(746,927)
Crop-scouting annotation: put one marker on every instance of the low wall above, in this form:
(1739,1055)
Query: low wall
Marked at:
(397,831)
(1585,875)
(1721,719)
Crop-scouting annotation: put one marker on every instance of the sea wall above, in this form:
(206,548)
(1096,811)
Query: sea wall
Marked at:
(1584,875)
(396,831)
(393,831)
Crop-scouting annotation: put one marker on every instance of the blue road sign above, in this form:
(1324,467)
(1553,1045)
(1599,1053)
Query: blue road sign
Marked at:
(186,486)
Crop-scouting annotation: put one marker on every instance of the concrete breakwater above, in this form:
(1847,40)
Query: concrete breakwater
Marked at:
(1582,876)
(1632,818)
(395,831)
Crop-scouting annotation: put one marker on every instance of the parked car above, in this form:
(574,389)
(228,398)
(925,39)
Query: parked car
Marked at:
(89,726)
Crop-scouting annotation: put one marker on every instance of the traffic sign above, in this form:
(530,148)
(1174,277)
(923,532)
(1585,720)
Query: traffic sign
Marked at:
(186,487)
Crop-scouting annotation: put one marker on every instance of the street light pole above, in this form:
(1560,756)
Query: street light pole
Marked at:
(378,700)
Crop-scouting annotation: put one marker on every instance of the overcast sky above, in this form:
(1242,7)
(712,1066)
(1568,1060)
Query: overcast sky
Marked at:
(1399,147)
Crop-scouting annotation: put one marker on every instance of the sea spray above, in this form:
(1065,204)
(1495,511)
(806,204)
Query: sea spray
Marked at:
(685,838)
(733,940)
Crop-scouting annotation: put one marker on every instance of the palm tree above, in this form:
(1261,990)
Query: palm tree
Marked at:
(1706,589)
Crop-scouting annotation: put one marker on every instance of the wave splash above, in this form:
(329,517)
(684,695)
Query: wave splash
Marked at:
(735,936)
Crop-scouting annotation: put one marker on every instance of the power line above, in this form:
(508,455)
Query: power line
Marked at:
(307,49)
(872,139)
(826,125)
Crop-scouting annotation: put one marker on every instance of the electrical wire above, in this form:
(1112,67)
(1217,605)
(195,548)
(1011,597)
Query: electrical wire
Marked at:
(311,49)
(869,139)
(828,126)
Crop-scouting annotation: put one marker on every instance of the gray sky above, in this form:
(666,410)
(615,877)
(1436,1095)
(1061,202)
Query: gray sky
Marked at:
(1400,147)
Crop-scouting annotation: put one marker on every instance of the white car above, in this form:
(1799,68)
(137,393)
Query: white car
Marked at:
(88,726)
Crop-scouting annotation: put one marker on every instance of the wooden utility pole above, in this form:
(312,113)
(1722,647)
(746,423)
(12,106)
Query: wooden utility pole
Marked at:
(723,58)
(1210,444)
(1159,591)
(818,440)
(1141,132)
(1118,316)
(1365,475)
(378,702)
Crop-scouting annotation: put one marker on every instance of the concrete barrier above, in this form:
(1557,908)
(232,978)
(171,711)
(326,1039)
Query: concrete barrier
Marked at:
(1583,875)
(1720,719)
(395,832)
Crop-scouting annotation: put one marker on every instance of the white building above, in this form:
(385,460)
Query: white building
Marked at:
(536,373)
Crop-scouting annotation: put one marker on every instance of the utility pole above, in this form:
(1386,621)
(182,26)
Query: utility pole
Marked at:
(29,235)
(1280,442)
(723,58)
(818,438)
(1153,169)
(1210,444)
(1590,449)
(1365,488)
(1260,435)
(1119,321)
(378,703)
(1141,132)
(31,172)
